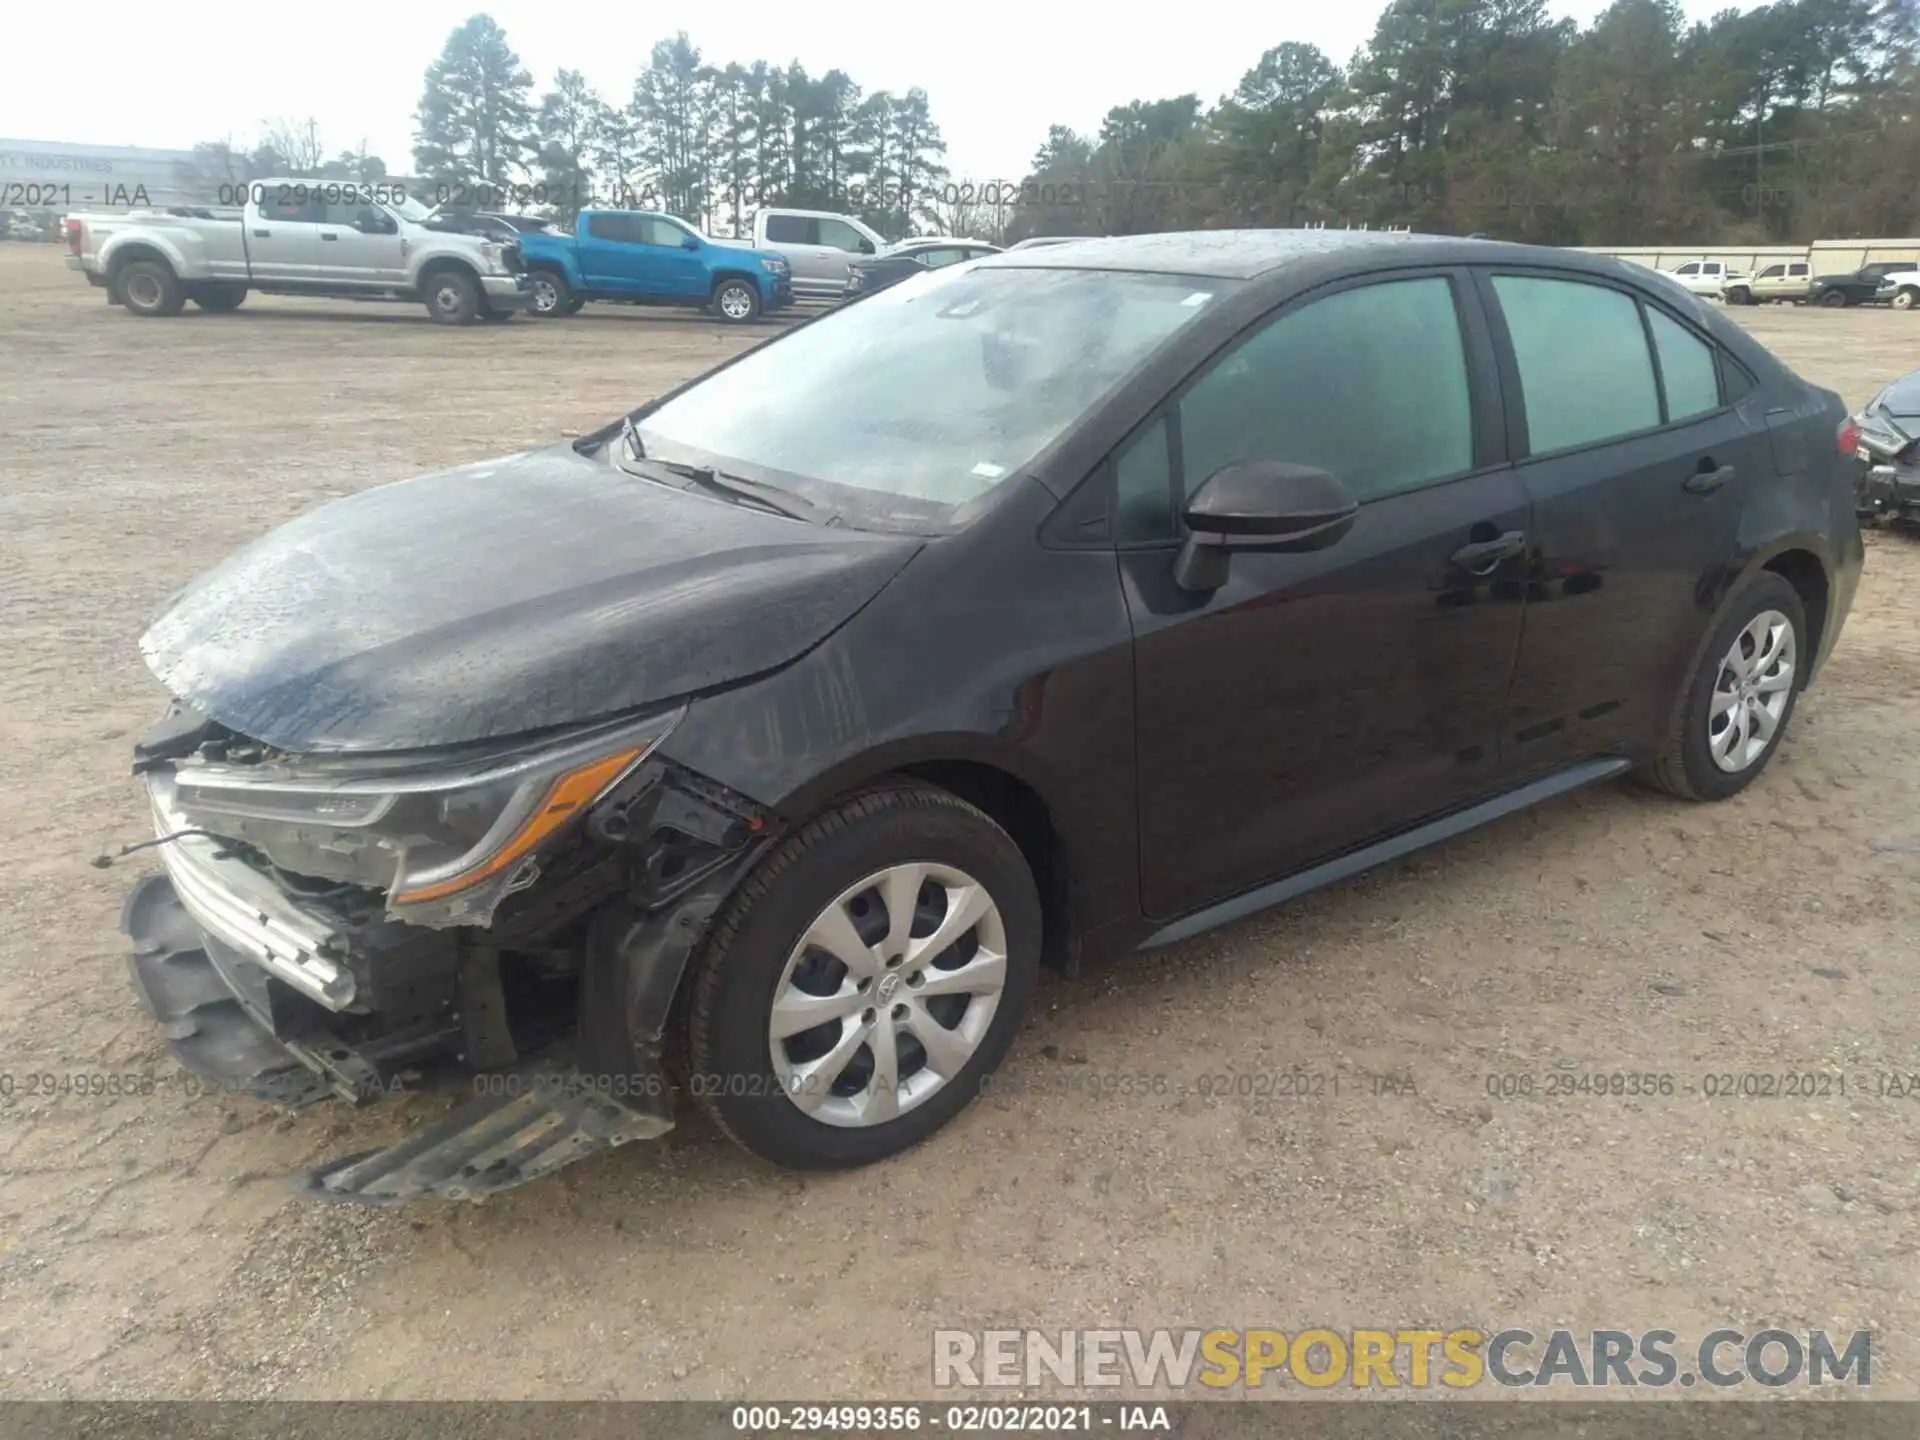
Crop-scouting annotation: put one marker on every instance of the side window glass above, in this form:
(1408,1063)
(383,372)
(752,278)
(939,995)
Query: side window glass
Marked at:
(622,228)
(1686,367)
(1585,372)
(1690,268)
(790,230)
(1773,272)
(1369,383)
(289,209)
(655,231)
(840,235)
(1143,483)
(934,259)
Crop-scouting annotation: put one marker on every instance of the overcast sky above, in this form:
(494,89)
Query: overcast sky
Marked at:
(123,74)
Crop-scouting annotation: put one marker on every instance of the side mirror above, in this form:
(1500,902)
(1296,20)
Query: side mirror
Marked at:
(1260,505)
(689,242)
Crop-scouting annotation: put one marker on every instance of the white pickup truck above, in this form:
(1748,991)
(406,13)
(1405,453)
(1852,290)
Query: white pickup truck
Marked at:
(298,237)
(820,247)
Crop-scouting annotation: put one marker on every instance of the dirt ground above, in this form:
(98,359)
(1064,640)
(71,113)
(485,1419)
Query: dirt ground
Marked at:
(149,1246)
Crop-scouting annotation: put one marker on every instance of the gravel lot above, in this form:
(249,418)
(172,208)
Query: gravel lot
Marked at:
(148,1246)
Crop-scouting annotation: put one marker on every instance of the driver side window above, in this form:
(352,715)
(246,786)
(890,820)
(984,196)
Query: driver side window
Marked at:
(1369,383)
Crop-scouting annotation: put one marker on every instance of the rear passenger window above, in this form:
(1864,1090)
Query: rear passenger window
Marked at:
(1686,367)
(1585,373)
(624,228)
(791,230)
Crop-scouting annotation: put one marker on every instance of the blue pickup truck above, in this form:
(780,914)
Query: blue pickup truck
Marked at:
(639,257)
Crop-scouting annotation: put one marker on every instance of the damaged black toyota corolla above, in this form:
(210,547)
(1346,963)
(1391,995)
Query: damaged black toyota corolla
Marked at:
(763,745)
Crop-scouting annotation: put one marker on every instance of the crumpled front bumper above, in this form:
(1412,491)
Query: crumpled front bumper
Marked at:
(1887,491)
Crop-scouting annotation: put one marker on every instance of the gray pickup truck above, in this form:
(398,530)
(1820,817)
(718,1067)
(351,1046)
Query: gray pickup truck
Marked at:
(298,237)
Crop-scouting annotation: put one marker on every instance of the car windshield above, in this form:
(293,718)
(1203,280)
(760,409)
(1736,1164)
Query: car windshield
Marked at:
(924,396)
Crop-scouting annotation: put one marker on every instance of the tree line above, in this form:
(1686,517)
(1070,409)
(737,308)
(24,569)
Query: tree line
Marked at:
(1785,123)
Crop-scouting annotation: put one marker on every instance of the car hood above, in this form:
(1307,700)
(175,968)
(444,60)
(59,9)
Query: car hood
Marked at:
(512,595)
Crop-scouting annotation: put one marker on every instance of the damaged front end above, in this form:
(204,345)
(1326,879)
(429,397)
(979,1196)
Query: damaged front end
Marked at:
(507,920)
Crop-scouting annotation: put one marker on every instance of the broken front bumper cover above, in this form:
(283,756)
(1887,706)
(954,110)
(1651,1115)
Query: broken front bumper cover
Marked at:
(1887,491)
(223,1027)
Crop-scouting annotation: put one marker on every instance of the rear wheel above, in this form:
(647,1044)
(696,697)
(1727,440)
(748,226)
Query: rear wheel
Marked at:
(149,288)
(552,295)
(1737,702)
(453,297)
(1833,300)
(864,980)
(736,302)
(219,295)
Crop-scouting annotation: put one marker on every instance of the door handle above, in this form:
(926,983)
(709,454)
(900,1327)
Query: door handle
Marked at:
(263,234)
(328,235)
(1705,480)
(1483,555)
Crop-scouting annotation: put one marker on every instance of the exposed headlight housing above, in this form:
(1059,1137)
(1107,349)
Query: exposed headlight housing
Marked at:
(446,840)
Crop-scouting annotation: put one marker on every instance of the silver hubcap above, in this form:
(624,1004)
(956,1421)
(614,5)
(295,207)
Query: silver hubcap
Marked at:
(1750,697)
(888,994)
(735,303)
(144,290)
(545,297)
(447,297)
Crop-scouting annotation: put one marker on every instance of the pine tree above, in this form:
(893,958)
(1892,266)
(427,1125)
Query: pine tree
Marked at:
(475,121)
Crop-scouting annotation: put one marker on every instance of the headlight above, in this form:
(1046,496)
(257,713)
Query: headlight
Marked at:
(774,267)
(490,253)
(446,842)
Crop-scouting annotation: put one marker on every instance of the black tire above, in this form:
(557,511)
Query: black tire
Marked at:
(551,295)
(1905,298)
(1740,295)
(1685,766)
(736,301)
(149,288)
(219,296)
(1833,300)
(575,305)
(740,966)
(452,296)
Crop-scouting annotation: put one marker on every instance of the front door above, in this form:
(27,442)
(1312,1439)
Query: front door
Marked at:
(1637,462)
(1317,701)
(360,245)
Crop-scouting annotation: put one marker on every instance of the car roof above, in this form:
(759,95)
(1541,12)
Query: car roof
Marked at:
(1250,254)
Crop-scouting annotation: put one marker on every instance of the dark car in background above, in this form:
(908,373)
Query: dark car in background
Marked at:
(1856,287)
(1885,434)
(909,258)
(1049,607)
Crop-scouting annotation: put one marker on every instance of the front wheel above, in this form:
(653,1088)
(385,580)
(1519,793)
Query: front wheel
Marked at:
(1740,295)
(864,980)
(453,297)
(736,302)
(552,295)
(1737,702)
(1905,299)
(1833,300)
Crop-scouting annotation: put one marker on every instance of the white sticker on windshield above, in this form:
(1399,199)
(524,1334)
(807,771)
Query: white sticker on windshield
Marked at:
(1198,297)
(987,470)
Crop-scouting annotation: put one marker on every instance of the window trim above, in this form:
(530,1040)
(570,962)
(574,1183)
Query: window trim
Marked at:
(1477,353)
(1518,439)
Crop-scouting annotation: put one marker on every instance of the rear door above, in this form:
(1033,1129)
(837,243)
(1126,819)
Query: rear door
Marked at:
(1316,701)
(816,271)
(1636,460)
(283,235)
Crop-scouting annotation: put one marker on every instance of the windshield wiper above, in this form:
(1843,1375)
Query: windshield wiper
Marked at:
(718,482)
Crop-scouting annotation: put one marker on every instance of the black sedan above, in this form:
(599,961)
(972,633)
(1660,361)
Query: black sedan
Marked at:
(1885,435)
(1047,608)
(909,258)
(1856,287)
